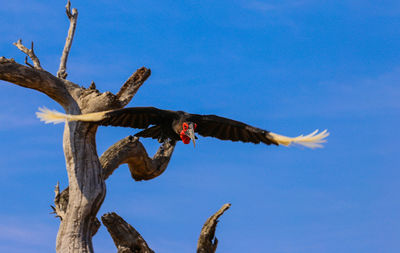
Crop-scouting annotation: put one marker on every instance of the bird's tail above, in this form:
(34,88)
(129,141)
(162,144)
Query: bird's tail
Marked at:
(53,116)
(312,140)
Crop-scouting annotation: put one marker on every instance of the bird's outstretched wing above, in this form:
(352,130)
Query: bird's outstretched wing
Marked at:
(135,117)
(228,129)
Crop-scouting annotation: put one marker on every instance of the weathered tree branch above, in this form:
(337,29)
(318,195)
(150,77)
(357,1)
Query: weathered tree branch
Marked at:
(27,63)
(92,86)
(73,17)
(125,237)
(132,85)
(60,202)
(131,151)
(128,150)
(36,79)
(205,243)
(30,53)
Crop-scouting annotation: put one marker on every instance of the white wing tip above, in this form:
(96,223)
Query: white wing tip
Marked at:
(50,116)
(312,140)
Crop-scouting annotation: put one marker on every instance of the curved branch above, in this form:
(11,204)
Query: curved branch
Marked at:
(73,17)
(36,79)
(129,150)
(205,243)
(132,85)
(125,237)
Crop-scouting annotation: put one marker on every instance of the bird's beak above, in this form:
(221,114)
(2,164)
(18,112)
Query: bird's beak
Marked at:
(190,133)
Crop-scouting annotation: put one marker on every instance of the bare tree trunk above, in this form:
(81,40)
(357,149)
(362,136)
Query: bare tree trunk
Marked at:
(86,189)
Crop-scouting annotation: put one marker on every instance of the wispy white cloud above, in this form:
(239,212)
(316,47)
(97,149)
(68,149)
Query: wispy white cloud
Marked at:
(390,7)
(27,236)
(365,94)
(10,121)
(274,6)
(23,7)
(386,8)
(369,94)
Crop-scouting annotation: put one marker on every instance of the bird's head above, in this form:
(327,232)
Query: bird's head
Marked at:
(187,132)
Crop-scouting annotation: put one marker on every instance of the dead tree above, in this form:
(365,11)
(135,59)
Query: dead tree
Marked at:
(78,204)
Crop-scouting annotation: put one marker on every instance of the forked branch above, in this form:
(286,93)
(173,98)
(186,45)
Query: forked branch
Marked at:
(207,242)
(30,53)
(125,237)
(132,85)
(73,17)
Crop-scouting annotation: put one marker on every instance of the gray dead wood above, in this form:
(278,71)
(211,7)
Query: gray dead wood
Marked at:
(60,201)
(30,53)
(125,237)
(132,85)
(40,80)
(132,152)
(127,150)
(73,18)
(207,242)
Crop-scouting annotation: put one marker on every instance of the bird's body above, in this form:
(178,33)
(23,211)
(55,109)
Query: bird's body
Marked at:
(179,125)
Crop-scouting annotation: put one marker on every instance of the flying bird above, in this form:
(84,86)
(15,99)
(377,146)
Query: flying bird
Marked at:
(178,125)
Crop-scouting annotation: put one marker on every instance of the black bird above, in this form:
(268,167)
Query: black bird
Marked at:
(178,125)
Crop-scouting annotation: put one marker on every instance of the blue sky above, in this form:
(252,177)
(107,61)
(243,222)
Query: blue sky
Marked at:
(286,66)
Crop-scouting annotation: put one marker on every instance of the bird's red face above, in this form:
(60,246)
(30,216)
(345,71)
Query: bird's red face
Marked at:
(187,133)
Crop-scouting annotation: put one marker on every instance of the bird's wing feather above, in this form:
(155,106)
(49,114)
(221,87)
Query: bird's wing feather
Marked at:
(154,132)
(228,129)
(136,117)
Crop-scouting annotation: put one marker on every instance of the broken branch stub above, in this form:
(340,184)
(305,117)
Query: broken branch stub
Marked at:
(125,237)
(207,242)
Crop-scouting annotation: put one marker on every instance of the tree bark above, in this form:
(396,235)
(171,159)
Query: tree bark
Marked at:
(207,242)
(39,80)
(86,188)
(127,150)
(125,237)
(131,151)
